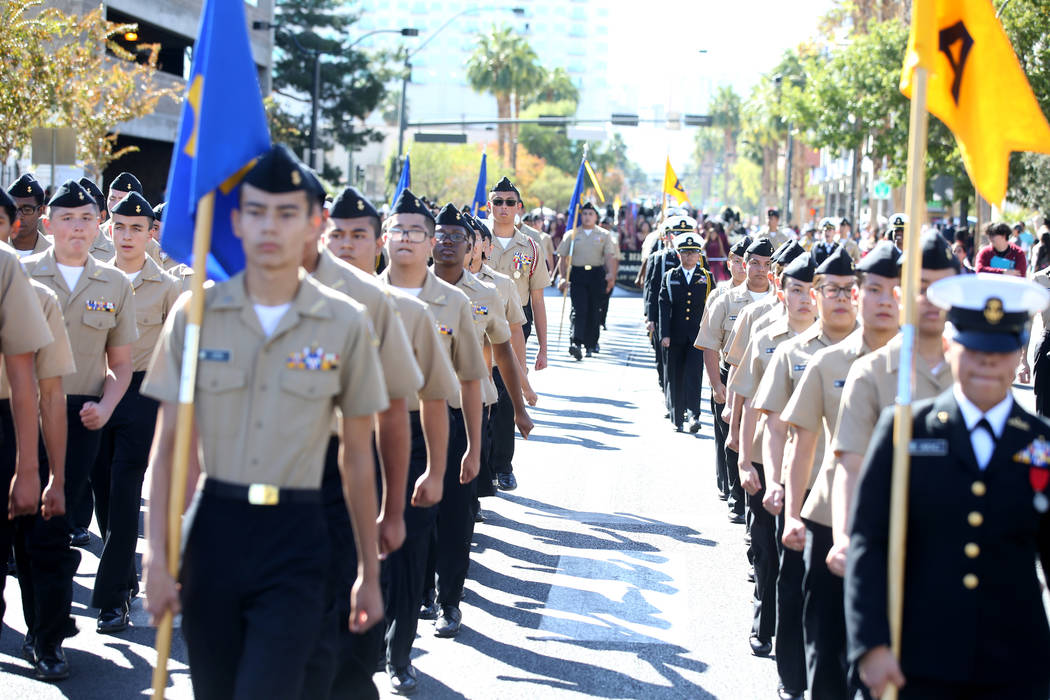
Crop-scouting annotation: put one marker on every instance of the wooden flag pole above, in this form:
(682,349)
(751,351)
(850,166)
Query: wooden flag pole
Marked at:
(184,425)
(902,427)
(568,270)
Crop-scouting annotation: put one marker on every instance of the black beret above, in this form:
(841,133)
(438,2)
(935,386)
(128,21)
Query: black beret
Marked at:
(837,263)
(505,185)
(158,211)
(351,204)
(762,246)
(27,186)
(279,171)
(316,186)
(133,205)
(8,205)
(409,203)
(883,260)
(450,216)
(773,211)
(126,182)
(937,252)
(790,253)
(800,268)
(741,246)
(71,195)
(775,257)
(95,192)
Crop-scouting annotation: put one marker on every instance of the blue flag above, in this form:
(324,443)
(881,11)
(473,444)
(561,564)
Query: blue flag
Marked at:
(404,182)
(221,131)
(481,195)
(577,193)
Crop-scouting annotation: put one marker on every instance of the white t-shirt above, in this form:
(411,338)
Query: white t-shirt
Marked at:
(270,316)
(70,274)
(134,276)
(22,253)
(414,291)
(756,296)
(504,241)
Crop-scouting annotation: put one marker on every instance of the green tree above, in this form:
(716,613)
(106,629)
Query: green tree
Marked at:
(550,142)
(490,69)
(557,87)
(725,116)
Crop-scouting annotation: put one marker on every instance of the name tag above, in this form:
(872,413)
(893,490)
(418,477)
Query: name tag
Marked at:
(770,351)
(214,355)
(839,383)
(928,448)
(798,368)
(733,317)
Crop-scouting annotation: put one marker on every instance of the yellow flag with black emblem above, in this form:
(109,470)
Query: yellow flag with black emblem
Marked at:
(674,193)
(976,87)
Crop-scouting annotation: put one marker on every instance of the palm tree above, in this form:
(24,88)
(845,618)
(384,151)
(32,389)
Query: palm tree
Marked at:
(725,115)
(489,69)
(527,77)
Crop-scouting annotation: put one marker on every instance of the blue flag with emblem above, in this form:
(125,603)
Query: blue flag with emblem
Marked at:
(577,193)
(221,131)
(481,195)
(403,182)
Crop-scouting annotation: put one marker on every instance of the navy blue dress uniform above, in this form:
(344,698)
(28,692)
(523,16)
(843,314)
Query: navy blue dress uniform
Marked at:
(683,294)
(664,258)
(823,248)
(974,625)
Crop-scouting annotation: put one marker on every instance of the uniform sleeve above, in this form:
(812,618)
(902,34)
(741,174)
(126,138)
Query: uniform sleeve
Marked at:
(125,332)
(547,244)
(439,378)
(736,344)
(467,357)
(540,276)
(512,307)
(56,358)
(710,335)
(774,390)
(609,247)
(165,367)
(400,371)
(805,408)
(745,379)
(363,391)
(563,247)
(664,325)
(496,328)
(23,327)
(858,411)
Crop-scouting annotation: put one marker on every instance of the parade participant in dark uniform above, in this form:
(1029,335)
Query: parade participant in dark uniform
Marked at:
(657,264)
(826,245)
(897,224)
(974,624)
(120,466)
(593,259)
(28,196)
(279,353)
(683,294)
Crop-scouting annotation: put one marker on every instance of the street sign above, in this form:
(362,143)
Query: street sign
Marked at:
(625,119)
(882,190)
(437,137)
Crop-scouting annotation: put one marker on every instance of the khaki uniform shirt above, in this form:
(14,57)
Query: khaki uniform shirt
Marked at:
(454,322)
(490,323)
(745,326)
(23,327)
(439,378)
(814,406)
(41,244)
(263,404)
(155,294)
(587,249)
(99,314)
(102,247)
(720,289)
(522,261)
(512,307)
(54,359)
(544,239)
(750,373)
(852,249)
(778,237)
(400,370)
(719,318)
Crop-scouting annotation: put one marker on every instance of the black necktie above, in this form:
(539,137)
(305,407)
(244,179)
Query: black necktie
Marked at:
(983,423)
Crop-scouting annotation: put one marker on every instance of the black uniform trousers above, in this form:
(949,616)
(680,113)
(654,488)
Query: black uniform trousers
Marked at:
(587,290)
(658,351)
(116,482)
(824,618)
(486,474)
(501,426)
(925,689)
(791,653)
(252,595)
(763,529)
(455,518)
(82,447)
(729,467)
(685,376)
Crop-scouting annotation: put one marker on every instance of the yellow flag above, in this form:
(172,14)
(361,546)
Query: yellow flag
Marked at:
(976,87)
(594,180)
(672,187)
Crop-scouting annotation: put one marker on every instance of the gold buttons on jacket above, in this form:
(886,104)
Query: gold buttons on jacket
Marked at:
(970,581)
(978,488)
(972,550)
(975,519)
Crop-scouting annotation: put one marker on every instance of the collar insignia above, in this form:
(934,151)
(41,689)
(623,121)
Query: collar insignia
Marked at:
(1018,423)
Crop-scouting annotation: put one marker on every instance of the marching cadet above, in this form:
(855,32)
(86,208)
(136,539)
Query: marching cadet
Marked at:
(278,353)
(543,239)
(123,454)
(871,386)
(656,266)
(719,317)
(519,257)
(102,247)
(683,294)
(28,196)
(826,245)
(756,473)
(123,184)
(898,222)
(410,242)
(153,249)
(772,230)
(354,236)
(99,308)
(845,239)
(593,258)
(973,624)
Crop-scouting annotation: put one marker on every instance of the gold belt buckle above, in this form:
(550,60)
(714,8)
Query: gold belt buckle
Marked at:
(587,267)
(264,495)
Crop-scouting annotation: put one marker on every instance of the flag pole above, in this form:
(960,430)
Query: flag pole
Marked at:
(572,245)
(184,425)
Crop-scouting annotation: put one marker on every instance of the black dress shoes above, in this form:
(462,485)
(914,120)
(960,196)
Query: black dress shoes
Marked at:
(507,482)
(79,537)
(51,664)
(597,348)
(429,609)
(448,624)
(574,350)
(760,648)
(588,353)
(735,518)
(695,425)
(403,681)
(785,694)
(113,620)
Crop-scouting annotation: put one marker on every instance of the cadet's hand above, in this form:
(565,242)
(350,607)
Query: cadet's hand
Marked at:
(162,593)
(563,285)
(727,415)
(773,501)
(524,423)
(1025,374)
(719,392)
(93,416)
(366,605)
(749,480)
(530,396)
(836,559)
(650,326)
(54,499)
(541,359)
(610,282)
(470,467)
(391,535)
(24,496)
(732,441)
(428,490)
(665,342)
(794,534)
(878,668)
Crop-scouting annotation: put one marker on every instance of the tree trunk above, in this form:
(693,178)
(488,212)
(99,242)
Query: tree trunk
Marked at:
(730,149)
(514,135)
(503,111)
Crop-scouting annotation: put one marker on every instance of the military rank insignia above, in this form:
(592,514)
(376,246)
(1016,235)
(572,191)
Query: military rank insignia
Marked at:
(1037,456)
(313,359)
(479,309)
(443,329)
(101,305)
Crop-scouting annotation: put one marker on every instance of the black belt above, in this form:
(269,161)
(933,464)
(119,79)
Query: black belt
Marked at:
(588,267)
(260,494)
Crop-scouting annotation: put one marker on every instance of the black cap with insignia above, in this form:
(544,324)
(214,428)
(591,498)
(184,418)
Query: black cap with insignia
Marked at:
(350,204)
(478,224)
(158,211)
(505,185)
(741,246)
(762,247)
(125,182)
(316,186)
(71,195)
(133,205)
(773,211)
(790,253)
(800,268)
(838,263)
(95,192)
(451,216)
(278,171)
(27,186)
(588,205)
(937,252)
(8,205)
(883,260)
(408,203)
(775,257)
(988,312)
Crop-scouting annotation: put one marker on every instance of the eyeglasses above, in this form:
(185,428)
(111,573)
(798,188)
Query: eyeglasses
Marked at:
(26,210)
(414,235)
(442,237)
(831,291)
(504,202)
